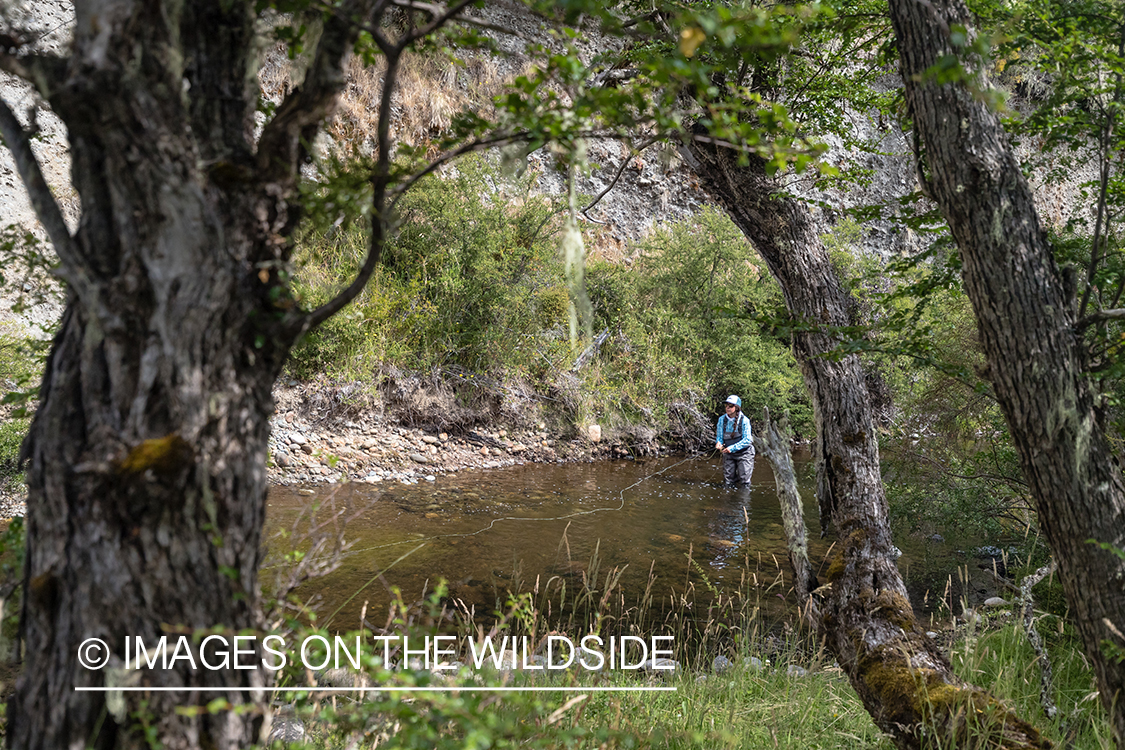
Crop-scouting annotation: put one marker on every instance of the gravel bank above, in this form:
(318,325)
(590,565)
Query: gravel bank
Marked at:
(310,448)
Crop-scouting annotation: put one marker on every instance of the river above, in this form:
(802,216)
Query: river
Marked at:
(665,525)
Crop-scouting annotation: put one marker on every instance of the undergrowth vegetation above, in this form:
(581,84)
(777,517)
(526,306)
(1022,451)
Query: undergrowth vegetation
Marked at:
(949,465)
(471,286)
(470,281)
(20,365)
(685,316)
(769,687)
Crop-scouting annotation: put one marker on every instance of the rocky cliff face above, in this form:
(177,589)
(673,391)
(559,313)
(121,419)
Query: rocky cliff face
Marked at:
(654,186)
(46,26)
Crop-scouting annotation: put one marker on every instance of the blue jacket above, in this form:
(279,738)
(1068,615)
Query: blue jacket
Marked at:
(727,425)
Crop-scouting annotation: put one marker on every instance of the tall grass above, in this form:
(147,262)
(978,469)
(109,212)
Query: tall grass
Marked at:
(994,652)
(751,697)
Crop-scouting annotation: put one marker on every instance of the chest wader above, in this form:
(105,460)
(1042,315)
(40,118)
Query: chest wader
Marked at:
(739,466)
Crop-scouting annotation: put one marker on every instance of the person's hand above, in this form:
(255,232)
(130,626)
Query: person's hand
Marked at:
(719,447)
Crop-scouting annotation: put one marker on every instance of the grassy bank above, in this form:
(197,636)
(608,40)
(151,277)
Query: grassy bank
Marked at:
(774,690)
(743,678)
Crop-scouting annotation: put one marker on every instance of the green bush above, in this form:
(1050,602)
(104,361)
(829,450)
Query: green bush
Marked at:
(688,317)
(470,280)
(949,465)
(21,362)
(11,437)
(552,304)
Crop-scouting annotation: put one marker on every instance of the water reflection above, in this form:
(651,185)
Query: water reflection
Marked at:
(489,532)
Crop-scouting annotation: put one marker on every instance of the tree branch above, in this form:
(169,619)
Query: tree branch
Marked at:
(1117,294)
(1026,605)
(374,255)
(442,16)
(998,478)
(378,227)
(45,72)
(380,178)
(478,145)
(591,351)
(617,176)
(1100,315)
(437,10)
(381,174)
(1101,223)
(500,140)
(719,143)
(309,104)
(376,10)
(75,269)
(646,17)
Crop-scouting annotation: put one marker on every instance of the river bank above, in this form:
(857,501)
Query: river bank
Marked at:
(318,436)
(309,443)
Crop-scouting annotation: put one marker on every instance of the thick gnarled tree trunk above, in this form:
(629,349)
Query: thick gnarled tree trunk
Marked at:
(146,458)
(1031,338)
(903,678)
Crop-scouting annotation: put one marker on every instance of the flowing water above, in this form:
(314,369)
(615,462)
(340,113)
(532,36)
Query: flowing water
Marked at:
(491,532)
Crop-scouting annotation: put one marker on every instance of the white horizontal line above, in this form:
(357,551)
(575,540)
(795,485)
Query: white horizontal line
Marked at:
(474,688)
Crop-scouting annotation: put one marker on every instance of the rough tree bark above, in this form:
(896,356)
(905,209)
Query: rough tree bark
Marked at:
(146,457)
(903,678)
(1028,328)
(773,440)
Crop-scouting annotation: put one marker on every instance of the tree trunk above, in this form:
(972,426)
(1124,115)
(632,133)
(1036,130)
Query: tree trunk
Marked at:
(146,457)
(774,441)
(1036,359)
(904,680)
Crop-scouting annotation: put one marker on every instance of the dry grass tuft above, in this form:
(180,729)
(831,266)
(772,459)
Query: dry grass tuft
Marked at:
(277,73)
(432,89)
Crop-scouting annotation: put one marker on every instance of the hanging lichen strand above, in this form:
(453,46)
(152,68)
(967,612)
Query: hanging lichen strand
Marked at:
(580,310)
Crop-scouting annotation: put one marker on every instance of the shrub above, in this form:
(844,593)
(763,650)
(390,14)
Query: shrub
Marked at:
(700,288)
(11,437)
(21,362)
(469,281)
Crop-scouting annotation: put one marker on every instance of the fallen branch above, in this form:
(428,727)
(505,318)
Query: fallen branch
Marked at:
(1046,688)
(591,351)
(773,440)
(620,171)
